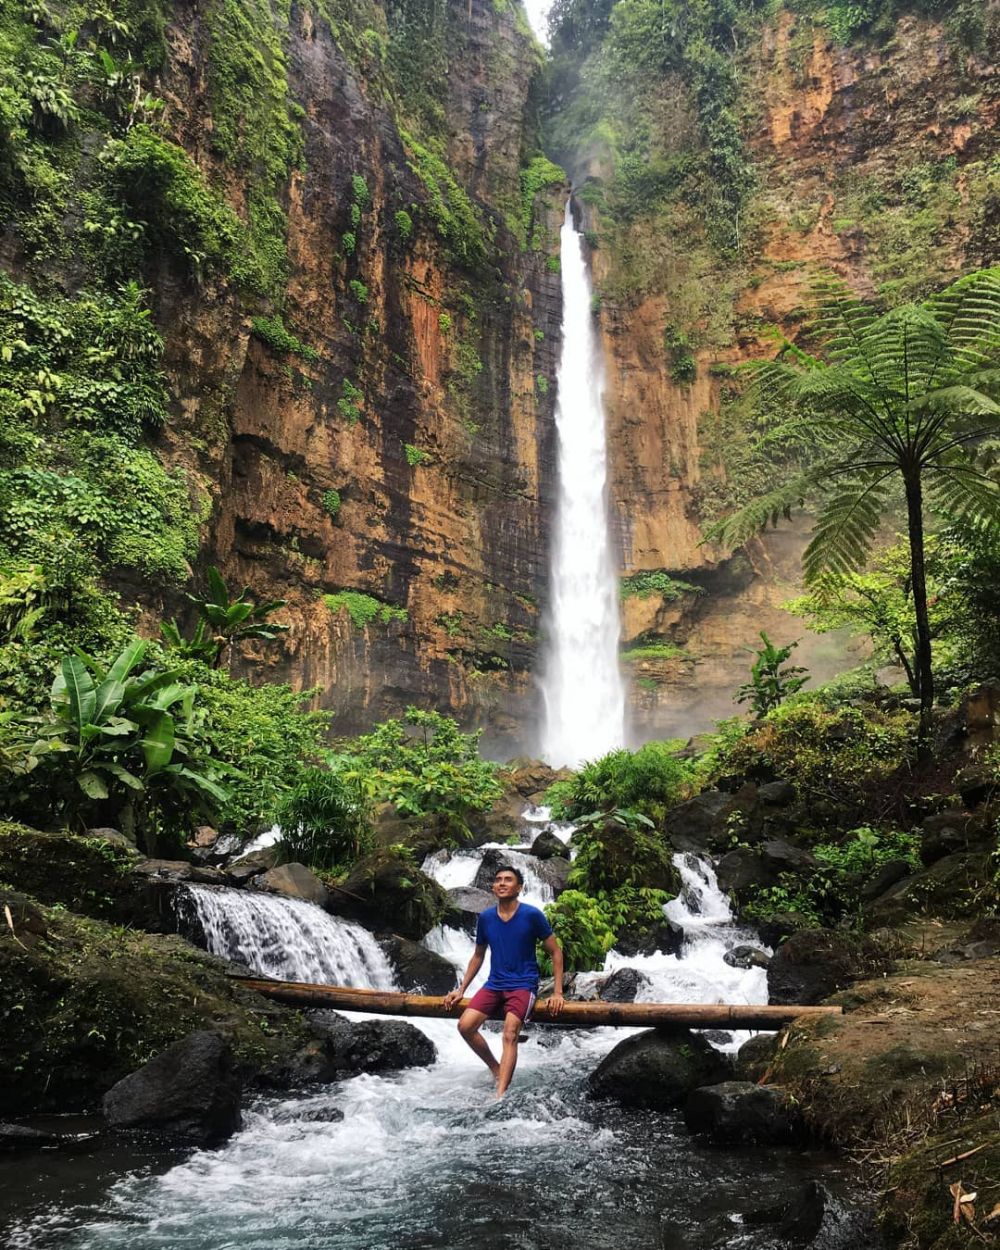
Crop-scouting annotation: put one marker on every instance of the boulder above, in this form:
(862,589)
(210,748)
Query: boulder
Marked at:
(886,877)
(780,925)
(754,1057)
(664,937)
(623,985)
(241,870)
(374,1045)
(113,837)
(743,870)
(740,1113)
(499,823)
(492,859)
(949,888)
(746,957)
(418,969)
(781,856)
(177,871)
(704,823)
(548,844)
(530,778)
(776,793)
(554,872)
(815,963)
(294,881)
(465,904)
(975,784)
(190,1091)
(18,1139)
(388,892)
(948,832)
(656,1069)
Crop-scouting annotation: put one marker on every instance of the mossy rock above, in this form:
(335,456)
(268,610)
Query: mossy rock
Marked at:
(87,875)
(85,1003)
(387,891)
(955,886)
(917,1204)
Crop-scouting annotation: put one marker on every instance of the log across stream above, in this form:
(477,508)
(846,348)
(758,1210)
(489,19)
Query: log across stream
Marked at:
(581,1015)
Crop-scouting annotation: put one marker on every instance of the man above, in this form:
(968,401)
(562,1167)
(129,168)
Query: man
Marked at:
(510,930)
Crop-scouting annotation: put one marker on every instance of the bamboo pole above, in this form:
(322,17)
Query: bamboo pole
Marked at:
(585,1015)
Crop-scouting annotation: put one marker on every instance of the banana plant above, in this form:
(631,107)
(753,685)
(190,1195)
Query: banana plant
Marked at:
(126,734)
(223,622)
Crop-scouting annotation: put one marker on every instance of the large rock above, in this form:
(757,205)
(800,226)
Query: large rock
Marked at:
(742,871)
(547,844)
(190,1091)
(177,871)
(252,864)
(389,893)
(746,957)
(623,986)
(754,1057)
(656,1069)
(949,832)
(417,968)
(662,937)
(739,1113)
(294,881)
(952,887)
(815,963)
(705,823)
(531,778)
(465,905)
(374,1045)
(553,872)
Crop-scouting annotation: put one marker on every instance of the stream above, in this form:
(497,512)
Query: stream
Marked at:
(427,1158)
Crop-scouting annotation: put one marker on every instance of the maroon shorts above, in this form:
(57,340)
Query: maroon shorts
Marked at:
(496,1004)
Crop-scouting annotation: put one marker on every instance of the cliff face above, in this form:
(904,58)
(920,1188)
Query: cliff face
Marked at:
(874,161)
(407,456)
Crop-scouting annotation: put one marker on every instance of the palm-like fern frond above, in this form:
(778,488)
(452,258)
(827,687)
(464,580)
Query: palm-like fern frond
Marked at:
(846,526)
(969,311)
(734,530)
(965,494)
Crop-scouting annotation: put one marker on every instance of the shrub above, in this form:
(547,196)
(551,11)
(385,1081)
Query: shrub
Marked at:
(444,322)
(349,242)
(648,781)
(272,332)
(325,817)
(351,402)
(404,224)
(358,290)
(414,455)
(364,609)
(772,681)
(652,582)
(582,929)
(331,503)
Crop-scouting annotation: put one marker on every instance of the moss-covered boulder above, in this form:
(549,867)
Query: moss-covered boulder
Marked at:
(85,1003)
(387,891)
(87,875)
(955,886)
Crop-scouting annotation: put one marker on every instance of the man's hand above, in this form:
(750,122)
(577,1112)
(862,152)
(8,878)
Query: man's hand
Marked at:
(452,997)
(556,1003)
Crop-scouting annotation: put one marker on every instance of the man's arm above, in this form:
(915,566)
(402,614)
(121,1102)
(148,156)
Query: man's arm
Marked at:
(556,1000)
(475,963)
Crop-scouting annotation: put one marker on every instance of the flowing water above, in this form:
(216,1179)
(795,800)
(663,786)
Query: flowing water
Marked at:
(582,689)
(426,1158)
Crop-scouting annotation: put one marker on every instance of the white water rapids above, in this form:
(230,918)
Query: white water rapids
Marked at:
(425,1157)
(582,689)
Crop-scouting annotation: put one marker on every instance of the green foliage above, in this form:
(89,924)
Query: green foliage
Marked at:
(841,760)
(542,384)
(272,332)
(404,224)
(658,582)
(163,190)
(349,241)
(582,930)
(449,208)
(830,894)
(350,405)
(648,781)
(360,194)
(224,622)
(415,456)
(80,386)
(424,764)
(653,651)
(364,610)
(772,680)
(444,322)
(331,503)
(325,817)
(538,174)
(358,290)
(119,745)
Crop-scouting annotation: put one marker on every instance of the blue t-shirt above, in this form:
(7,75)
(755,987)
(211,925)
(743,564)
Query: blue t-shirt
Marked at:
(512,946)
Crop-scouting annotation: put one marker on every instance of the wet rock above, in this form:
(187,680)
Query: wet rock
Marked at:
(554,872)
(656,1069)
(815,963)
(664,937)
(776,793)
(740,1113)
(703,824)
(177,871)
(815,1218)
(294,881)
(465,905)
(746,957)
(492,859)
(742,871)
(190,1091)
(754,1056)
(886,877)
(548,844)
(388,892)
(949,832)
(113,837)
(418,969)
(241,870)
(376,1046)
(780,925)
(949,888)
(623,986)
(17,1139)
(781,856)
(204,837)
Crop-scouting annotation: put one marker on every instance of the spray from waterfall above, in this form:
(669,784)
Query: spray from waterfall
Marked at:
(582,689)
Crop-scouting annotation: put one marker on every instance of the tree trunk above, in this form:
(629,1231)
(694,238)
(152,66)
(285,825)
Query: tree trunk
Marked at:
(582,1015)
(924,671)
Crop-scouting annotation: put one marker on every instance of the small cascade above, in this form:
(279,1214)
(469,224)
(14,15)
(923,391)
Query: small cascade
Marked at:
(286,938)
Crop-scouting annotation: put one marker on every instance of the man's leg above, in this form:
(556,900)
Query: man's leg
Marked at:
(508,1059)
(469,1024)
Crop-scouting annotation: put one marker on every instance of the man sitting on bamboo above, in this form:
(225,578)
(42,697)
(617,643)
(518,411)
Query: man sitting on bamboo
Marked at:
(510,930)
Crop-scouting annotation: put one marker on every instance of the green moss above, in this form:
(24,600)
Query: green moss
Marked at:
(331,503)
(415,456)
(653,651)
(84,874)
(350,405)
(450,210)
(363,609)
(655,582)
(536,176)
(358,290)
(272,332)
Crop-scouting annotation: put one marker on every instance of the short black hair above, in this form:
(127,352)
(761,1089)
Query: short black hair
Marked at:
(510,868)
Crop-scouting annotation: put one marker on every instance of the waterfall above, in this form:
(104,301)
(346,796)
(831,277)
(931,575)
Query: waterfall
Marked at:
(583,693)
(287,938)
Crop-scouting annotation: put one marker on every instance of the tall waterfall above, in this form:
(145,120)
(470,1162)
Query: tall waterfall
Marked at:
(584,698)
